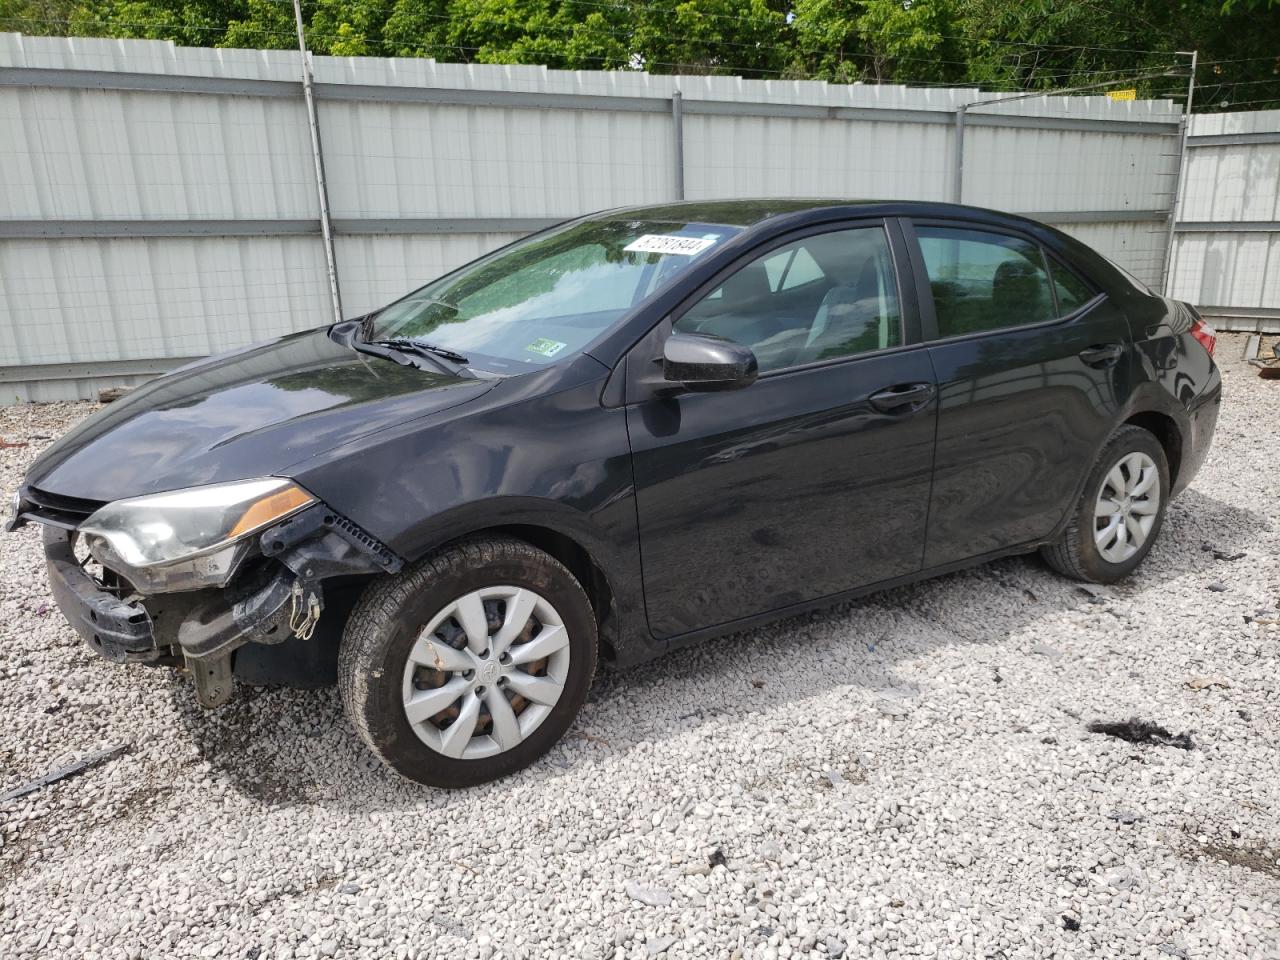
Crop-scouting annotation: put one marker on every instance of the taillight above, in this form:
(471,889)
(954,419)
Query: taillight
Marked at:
(1207,336)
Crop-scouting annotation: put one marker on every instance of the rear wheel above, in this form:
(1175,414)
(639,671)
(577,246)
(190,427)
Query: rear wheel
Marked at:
(469,665)
(1120,512)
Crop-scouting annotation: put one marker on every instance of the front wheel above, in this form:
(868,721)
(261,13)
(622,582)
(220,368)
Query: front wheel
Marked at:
(470,664)
(1120,512)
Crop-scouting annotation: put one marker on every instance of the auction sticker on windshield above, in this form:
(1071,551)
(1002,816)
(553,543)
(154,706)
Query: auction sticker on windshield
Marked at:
(545,347)
(668,243)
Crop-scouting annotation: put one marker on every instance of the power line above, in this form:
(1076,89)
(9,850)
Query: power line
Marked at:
(447,47)
(570,30)
(1223,92)
(1241,83)
(175,27)
(1243,103)
(1274,58)
(998,84)
(869,35)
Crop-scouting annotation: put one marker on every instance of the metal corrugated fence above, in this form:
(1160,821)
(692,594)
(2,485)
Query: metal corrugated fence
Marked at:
(1226,254)
(159,202)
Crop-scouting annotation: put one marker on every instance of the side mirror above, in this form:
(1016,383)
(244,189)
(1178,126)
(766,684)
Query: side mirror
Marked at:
(701,362)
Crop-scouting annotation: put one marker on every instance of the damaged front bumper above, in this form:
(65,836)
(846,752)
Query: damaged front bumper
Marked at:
(118,629)
(280,595)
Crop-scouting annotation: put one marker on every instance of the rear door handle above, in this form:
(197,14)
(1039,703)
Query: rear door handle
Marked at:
(902,397)
(1102,354)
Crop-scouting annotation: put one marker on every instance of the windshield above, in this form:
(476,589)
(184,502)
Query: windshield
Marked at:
(547,297)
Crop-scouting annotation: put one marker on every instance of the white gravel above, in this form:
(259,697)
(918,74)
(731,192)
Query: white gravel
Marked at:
(908,776)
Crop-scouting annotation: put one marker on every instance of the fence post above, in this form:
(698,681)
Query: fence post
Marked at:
(1184,130)
(677,125)
(957,169)
(317,155)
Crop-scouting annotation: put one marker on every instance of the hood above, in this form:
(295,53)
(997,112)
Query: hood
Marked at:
(250,413)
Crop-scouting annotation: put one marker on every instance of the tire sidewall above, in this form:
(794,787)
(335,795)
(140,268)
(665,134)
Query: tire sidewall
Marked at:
(1133,440)
(384,707)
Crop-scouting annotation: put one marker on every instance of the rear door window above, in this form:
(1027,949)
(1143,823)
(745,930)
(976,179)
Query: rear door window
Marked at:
(983,280)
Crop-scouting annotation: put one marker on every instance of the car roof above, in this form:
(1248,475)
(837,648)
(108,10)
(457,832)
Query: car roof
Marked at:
(768,214)
(734,213)
(754,211)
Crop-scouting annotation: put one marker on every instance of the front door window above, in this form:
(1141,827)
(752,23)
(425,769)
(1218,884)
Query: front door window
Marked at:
(822,297)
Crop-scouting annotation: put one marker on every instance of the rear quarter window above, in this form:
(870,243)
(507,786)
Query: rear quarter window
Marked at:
(1073,292)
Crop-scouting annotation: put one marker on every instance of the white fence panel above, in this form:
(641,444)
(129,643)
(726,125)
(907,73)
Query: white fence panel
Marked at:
(788,156)
(1052,170)
(125,299)
(1226,254)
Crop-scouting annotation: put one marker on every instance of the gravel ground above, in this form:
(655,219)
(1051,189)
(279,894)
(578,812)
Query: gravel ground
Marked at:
(909,775)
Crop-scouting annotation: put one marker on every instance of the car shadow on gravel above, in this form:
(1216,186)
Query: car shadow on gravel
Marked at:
(1016,592)
(293,747)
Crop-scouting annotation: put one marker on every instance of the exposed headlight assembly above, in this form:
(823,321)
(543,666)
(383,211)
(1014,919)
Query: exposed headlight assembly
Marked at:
(188,539)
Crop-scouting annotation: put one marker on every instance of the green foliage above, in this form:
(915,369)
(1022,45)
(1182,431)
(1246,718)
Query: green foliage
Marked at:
(744,37)
(562,35)
(349,28)
(879,40)
(418,28)
(996,44)
(264,24)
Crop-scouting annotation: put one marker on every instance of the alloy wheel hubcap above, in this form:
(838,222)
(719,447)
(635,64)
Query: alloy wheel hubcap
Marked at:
(485,672)
(1127,507)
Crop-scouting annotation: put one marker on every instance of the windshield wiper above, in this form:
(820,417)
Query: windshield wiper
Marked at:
(409,345)
(400,349)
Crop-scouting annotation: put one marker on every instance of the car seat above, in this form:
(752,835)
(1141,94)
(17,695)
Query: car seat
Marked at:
(1017,294)
(848,319)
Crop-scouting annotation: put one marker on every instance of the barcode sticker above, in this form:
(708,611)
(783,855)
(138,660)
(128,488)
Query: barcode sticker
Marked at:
(670,243)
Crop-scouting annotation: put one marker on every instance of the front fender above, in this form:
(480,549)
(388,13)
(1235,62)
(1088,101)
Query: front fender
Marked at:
(558,461)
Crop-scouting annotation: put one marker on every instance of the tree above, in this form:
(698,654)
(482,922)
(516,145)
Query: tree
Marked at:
(350,28)
(418,28)
(878,40)
(748,38)
(565,35)
(264,25)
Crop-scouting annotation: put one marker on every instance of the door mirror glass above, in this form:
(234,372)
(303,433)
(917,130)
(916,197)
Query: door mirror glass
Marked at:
(703,362)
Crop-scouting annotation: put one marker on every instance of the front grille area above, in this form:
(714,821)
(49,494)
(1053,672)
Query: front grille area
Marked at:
(57,509)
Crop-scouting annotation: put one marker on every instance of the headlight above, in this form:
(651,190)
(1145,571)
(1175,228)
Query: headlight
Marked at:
(188,539)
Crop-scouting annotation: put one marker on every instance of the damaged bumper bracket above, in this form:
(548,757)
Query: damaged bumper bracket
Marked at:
(215,629)
(313,545)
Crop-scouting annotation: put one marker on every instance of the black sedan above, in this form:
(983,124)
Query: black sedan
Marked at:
(615,437)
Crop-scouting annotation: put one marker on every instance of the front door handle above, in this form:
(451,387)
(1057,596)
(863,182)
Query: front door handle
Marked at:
(902,398)
(1102,354)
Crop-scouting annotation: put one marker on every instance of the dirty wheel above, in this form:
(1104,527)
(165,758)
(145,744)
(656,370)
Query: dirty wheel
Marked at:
(469,665)
(1120,512)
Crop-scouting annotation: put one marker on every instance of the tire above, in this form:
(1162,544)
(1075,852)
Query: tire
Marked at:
(379,685)
(1078,554)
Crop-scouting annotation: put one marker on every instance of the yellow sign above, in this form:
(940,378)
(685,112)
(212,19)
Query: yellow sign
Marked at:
(1129,94)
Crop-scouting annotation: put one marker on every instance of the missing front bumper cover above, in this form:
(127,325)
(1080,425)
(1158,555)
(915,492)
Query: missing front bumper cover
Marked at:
(203,629)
